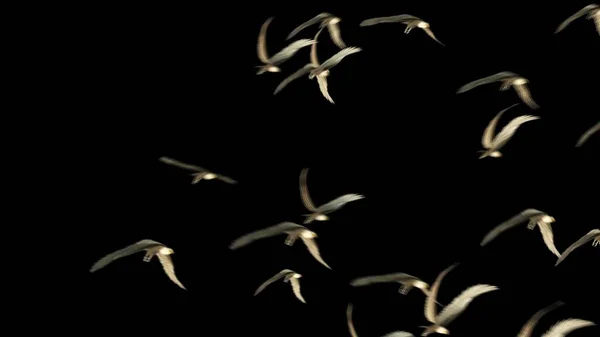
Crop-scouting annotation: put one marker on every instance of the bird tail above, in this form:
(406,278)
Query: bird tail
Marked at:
(484,153)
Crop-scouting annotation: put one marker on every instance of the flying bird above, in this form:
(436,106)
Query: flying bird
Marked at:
(201,173)
(527,329)
(565,327)
(492,144)
(534,217)
(407,281)
(271,63)
(288,276)
(319,213)
(409,20)
(293,231)
(592,11)
(594,234)
(152,248)
(508,79)
(326,20)
(588,134)
(349,321)
(399,334)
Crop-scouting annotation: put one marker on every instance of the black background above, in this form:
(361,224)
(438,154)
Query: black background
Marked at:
(179,80)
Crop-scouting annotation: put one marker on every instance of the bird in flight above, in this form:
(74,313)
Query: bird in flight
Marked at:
(565,327)
(271,63)
(588,134)
(508,79)
(319,213)
(527,329)
(152,248)
(326,20)
(407,281)
(201,173)
(399,334)
(592,11)
(594,234)
(288,276)
(409,20)
(492,144)
(293,231)
(534,217)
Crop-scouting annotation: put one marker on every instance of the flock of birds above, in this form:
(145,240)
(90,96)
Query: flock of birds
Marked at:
(491,142)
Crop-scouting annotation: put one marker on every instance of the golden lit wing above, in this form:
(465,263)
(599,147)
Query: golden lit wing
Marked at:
(307,24)
(589,132)
(311,244)
(488,133)
(430,301)
(322,80)
(264,233)
(583,240)
(563,328)
(296,289)
(527,329)
(299,73)
(167,264)
(510,223)
(575,16)
(226,179)
(461,303)
(394,277)
(336,35)
(306,200)
(402,18)
(548,236)
(261,47)
(486,80)
(129,250)
(339,56)
(289,51)
(313,50)
(177,163)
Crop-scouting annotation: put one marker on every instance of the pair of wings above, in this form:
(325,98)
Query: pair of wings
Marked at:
(190,167)
(328,207)
(283,55)
(593,234)
(282,274)
(334,29)
(585,10)
(394,277)
(489,141)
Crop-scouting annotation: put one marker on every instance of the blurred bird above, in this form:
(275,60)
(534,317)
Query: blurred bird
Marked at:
(565,327)
(409,20)
(492,144)
(152,248)
(399,334)
(527,329)
(271,63)
(293,231)
(319,213)
(201,173)
(349,321)
(592,11)
(588,134)
(594,234)
(534,217)
(508,79)
(288,276)
(326,20)
(407,281)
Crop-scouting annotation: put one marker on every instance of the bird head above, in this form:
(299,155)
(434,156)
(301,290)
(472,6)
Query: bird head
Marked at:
(273,69)
(335,20)
(520,81)
(210,176)
(548,219)
(296,275)
(421,285)
(496,154)
(321,217)
(166,251)
(423,25)
(308,234)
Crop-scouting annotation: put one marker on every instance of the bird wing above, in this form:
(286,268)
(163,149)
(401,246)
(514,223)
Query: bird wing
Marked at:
(399,334)
(403,18)
(336,35)
(349,321)
(274,278)
(597,22)
(169,268)
(588,133)
(290,51)
(548,236)
(299,73)
(296,289)
(488,133)
(430,308)
(509,130)
(575,16)
(261,46)
(461,302)
(226,179)
(394,277)
(306,200)
(563,328)
(264,233)
(335,59)
(339,202)
(525,96)
(527,329)
(311,244)
(307,24)
(486,80)
(583,240)
(510,223)
(131,249)
(431,35)
(322,80)
(177,163)
(313,50)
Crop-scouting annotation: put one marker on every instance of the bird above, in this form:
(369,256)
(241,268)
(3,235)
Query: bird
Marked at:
(349,321)
(594,234)
(326,20)
(271,63)
(293,231)
(592,11)
(319,213)
(527,329)
(399,334)
(152,248)
(439,322)
(201,173)
(409,20)
(534,217)
(492,144)
(588,134)
(288,276)
(407,281)
(508,79)
(565,327)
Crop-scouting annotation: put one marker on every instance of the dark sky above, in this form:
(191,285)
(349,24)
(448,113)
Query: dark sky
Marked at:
(179,81)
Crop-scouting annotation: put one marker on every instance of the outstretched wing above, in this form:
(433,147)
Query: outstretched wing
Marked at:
(169,268)
(399,334)
(395,277)
(431,35)
(313,50)
(339,202)
(296,289)
(264,233)
(339,56)
(306,200)
(311,244)
(488,133)
(430,301)
(177,163)
(290,51)
(510,223)
(588,133)
(322,81)
(261,46)
(575,16)
(226,179)
(403,18)
(336,35)
(525,96)
(548,236)
(527,329)
(461,302)
(508,131)
(349,321)
(486,80)
(131,249)
(583,240)
(307,24)
(299,73)
(563,328)
(274,278)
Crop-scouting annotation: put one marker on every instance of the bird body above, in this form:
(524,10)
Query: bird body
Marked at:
(508,79)
(287,275)
(409,20)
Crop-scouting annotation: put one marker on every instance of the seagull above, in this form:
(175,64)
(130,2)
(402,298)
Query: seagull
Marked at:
(349,321)
(592,11)
(288,276)
(593,234)
(492,144)
(535,217)
(271,63)
(409,20)
(565,327)
(407,281)
(527,329)
(508,79)
(319,213)
(452,310)
(588,134)
(152,248)
(293,231)
(326,20)
(201,173)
